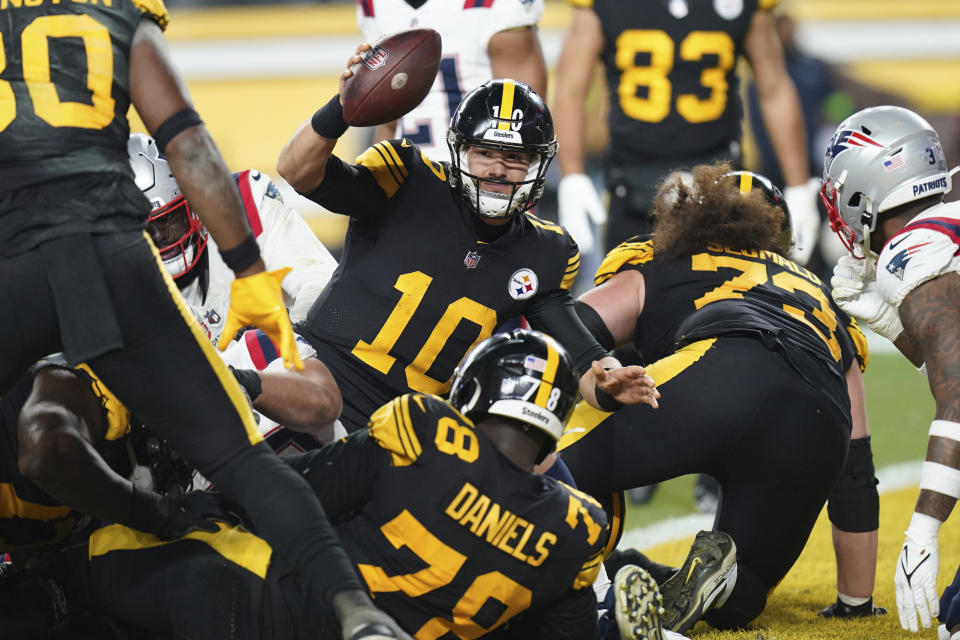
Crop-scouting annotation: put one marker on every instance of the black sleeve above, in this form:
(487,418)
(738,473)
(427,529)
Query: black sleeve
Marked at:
(350,190)
(555,315)
(343,473)
(595,325)
(572,617)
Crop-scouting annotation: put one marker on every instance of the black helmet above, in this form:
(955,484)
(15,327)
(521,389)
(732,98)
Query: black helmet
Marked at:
(524,375)
(505,115)
(747,181)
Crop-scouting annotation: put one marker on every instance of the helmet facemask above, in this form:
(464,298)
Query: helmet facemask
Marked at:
(179,236)
(494,204)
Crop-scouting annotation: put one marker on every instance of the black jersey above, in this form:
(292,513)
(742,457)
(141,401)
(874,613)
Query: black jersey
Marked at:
(29,517)
(670,71)
(416,288)
(723,291)
(450,537)
(64,97)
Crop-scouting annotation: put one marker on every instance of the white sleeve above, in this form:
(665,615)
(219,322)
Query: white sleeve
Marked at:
(912,258)
(287,241)
(509,14)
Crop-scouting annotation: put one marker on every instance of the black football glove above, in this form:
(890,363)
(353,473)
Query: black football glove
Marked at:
(169,517)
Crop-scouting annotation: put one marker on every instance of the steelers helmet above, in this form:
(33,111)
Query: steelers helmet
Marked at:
(524,375)
(173,226)
(747,181)
(878,159)
(505,115)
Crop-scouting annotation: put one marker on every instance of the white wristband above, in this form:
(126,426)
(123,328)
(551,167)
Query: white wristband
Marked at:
(940,478)
(923,527)
(945,429)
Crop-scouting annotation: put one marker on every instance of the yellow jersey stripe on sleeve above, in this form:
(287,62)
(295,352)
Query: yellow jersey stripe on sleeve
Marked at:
(385,430)
(118,417)
(409,432)
(588,572)
(156,10)
(570,274)
(382,166)
(860,343)
(628,253)
(392,154)
(543,224)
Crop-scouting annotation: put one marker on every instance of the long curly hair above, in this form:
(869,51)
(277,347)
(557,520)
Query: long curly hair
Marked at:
(693,210)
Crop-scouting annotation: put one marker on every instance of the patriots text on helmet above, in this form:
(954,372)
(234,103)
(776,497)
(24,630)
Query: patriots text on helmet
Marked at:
(499,527)
(930,185)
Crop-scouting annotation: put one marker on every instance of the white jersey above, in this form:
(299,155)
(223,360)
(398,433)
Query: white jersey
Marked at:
(285,240)
(254,350)
(927,247)
(466,27)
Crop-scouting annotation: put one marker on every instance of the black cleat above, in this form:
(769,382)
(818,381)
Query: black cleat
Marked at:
(705,580)
(620,557)
(638,604)
(841,610)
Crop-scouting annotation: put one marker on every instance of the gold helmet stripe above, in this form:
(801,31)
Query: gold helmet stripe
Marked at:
(506,105)
(548,377)
(746,182)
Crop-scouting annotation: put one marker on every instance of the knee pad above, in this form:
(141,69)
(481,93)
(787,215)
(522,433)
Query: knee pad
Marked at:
(854,504)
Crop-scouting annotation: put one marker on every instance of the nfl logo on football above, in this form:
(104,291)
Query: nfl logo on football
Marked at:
(375,58)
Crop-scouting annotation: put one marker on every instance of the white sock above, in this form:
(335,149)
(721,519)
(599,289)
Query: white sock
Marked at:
(851,601)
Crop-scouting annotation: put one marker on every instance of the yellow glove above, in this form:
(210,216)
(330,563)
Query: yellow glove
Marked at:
(258,300)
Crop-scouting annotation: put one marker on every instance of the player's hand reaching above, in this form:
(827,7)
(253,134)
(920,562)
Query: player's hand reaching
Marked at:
(855,290)
(258,300)
(805,218)
(360,620)
(579,206)
(626,385)
(915,580)
(169,517)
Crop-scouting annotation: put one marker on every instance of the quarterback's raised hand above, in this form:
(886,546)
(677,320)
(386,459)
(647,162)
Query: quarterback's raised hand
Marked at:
(855,290)
(916,580)
(579,204)
(258,300)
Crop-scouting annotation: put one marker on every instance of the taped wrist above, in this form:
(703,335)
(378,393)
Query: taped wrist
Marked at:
(854,503)
(250,381)
(328,120)
(606,401)
(595,325)
(173,125)
(243,255)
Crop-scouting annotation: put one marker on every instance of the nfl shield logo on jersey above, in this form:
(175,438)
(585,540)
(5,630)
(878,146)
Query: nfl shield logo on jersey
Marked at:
(471,260)
(523,284)
(375,58)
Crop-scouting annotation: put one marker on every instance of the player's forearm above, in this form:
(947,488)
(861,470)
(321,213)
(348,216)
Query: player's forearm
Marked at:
(781,113)
(305,400)
(303,159)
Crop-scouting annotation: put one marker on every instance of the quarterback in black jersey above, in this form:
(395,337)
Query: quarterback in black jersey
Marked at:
(763,370)
(438,255)
(674,103)
(78,273)
(437,504)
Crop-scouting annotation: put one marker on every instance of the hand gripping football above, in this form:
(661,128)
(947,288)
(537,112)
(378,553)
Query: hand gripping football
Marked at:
(393,78)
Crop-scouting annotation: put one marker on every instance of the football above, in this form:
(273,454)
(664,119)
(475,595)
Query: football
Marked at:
(394,76)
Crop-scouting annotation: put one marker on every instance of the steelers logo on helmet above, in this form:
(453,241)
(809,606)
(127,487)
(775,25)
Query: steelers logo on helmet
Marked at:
(501,115)
(173,226)
(523,284)
(522,375)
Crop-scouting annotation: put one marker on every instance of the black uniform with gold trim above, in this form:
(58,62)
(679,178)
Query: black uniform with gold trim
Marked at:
(451,539)
(749,352)
(673,91)
(422,280)
(79,275)
(29,517)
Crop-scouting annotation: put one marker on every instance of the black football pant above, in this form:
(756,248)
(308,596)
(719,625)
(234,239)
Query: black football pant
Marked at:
(169,376)
(739,412)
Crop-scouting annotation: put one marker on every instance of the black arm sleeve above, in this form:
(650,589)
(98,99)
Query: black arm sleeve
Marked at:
(350,190)
(595,325)
(555,315)
(572,617)
(343,473)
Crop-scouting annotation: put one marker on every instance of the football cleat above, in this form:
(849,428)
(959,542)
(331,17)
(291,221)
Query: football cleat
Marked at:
(841,610)
(639,604)
(620,557)
(705,581)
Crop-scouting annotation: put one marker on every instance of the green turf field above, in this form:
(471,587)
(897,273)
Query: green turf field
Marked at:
(899,406)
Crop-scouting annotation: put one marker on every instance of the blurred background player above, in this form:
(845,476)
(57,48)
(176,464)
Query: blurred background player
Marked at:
(451,484)
(80,275)
(674,103)
(884,181)
(396,318)
(481,41)
(764,370)
(284,239)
